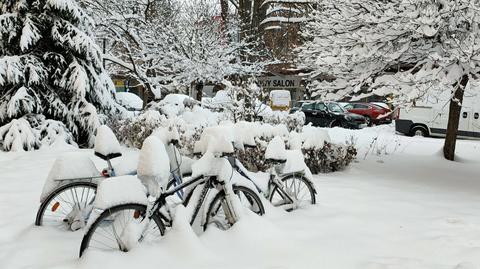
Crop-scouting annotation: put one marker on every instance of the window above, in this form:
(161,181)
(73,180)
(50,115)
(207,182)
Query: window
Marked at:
(334,107)
(308,106)
(360,106)
(320,106)
(349,106)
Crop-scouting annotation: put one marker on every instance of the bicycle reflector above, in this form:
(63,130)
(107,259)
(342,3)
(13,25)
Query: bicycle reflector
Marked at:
(55,206)
(136,214)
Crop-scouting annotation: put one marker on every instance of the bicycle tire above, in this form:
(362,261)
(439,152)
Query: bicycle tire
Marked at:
(250,196)
(39,220)
(107,213)
(304,180)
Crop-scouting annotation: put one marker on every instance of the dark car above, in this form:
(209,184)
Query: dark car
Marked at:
(374,114)
(329,114)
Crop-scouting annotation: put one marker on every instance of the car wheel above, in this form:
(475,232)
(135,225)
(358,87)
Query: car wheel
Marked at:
(419,131)
(335,123)
(368,121)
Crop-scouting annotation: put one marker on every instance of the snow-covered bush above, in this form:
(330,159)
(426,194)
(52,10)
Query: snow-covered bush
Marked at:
(18,135)
(133,131)
(54,133)
(294,121)
(321,155)
(33,131)
(177,110)
(129,100)
(329,158)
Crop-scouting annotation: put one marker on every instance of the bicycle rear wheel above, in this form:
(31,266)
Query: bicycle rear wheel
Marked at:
(298,188)
(121,227)
(67,207)
(216,215)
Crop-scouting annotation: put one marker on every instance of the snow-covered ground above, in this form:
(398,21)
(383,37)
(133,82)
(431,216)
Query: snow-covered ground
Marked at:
(400,206)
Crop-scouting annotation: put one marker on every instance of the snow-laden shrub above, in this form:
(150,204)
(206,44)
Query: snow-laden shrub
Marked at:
(175,110)
(133,131)
(54,133)
(321,155)
(18,135)
(33,131)
(329,158)
(294,121)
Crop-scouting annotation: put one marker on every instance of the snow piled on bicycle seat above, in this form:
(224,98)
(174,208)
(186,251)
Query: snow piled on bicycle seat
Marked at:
(295,164)
(119,190)
(276,149)
(127,163)
(167,134)
(153,166)
(66,168)
(106,142)
(245,133)
(216,140)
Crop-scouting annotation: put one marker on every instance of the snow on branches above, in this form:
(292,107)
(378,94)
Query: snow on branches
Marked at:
(407,48)
(172,43)
(50,65)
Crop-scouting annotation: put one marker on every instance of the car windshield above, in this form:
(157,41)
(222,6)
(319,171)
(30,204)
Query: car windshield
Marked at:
(334,107)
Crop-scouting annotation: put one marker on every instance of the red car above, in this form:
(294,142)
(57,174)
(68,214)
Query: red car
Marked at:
(374,114)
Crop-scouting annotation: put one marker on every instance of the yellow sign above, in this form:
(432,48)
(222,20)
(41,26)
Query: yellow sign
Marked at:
(119,82)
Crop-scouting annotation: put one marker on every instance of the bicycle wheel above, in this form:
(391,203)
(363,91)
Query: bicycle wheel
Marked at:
(121,227)
(68,206)
(298,188)
(216,214)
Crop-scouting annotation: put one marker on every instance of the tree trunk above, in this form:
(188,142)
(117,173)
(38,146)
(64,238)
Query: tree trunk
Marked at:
(453,120)
(224,11)
(146,94)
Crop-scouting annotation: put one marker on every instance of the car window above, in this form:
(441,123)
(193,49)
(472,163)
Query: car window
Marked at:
(334,107)
(349,106)
(377,106)
(308,106)
(320,106)
(360,106)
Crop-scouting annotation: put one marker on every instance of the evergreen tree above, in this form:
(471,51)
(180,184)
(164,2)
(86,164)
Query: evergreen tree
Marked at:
(50,65)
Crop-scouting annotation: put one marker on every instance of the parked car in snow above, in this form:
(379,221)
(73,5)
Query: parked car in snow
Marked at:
(329,114)
(429,121)
(374,114)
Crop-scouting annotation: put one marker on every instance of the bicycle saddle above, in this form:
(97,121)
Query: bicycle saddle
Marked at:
(276,161)
(108,156)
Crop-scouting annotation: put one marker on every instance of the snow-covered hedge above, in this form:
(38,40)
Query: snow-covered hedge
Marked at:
(320,154)
(190,120)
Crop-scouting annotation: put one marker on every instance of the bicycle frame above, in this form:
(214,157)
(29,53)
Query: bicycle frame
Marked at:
(272,180)
(210,182)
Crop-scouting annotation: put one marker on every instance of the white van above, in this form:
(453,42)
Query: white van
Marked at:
(280,99)
(431,121)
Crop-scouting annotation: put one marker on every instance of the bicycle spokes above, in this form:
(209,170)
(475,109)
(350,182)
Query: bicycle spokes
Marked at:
(69,208)
(123,230)
(291,193)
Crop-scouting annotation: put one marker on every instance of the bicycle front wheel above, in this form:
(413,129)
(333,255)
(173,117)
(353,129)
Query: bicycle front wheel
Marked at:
(121,227)
(68,206)
(294,192)
(216,214)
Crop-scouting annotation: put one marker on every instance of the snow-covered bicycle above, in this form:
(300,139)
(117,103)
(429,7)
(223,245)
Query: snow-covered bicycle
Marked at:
(124,225)
(69,201)
(70,189)
(290,190)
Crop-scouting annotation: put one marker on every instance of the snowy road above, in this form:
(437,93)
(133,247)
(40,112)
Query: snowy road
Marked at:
(404,208)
